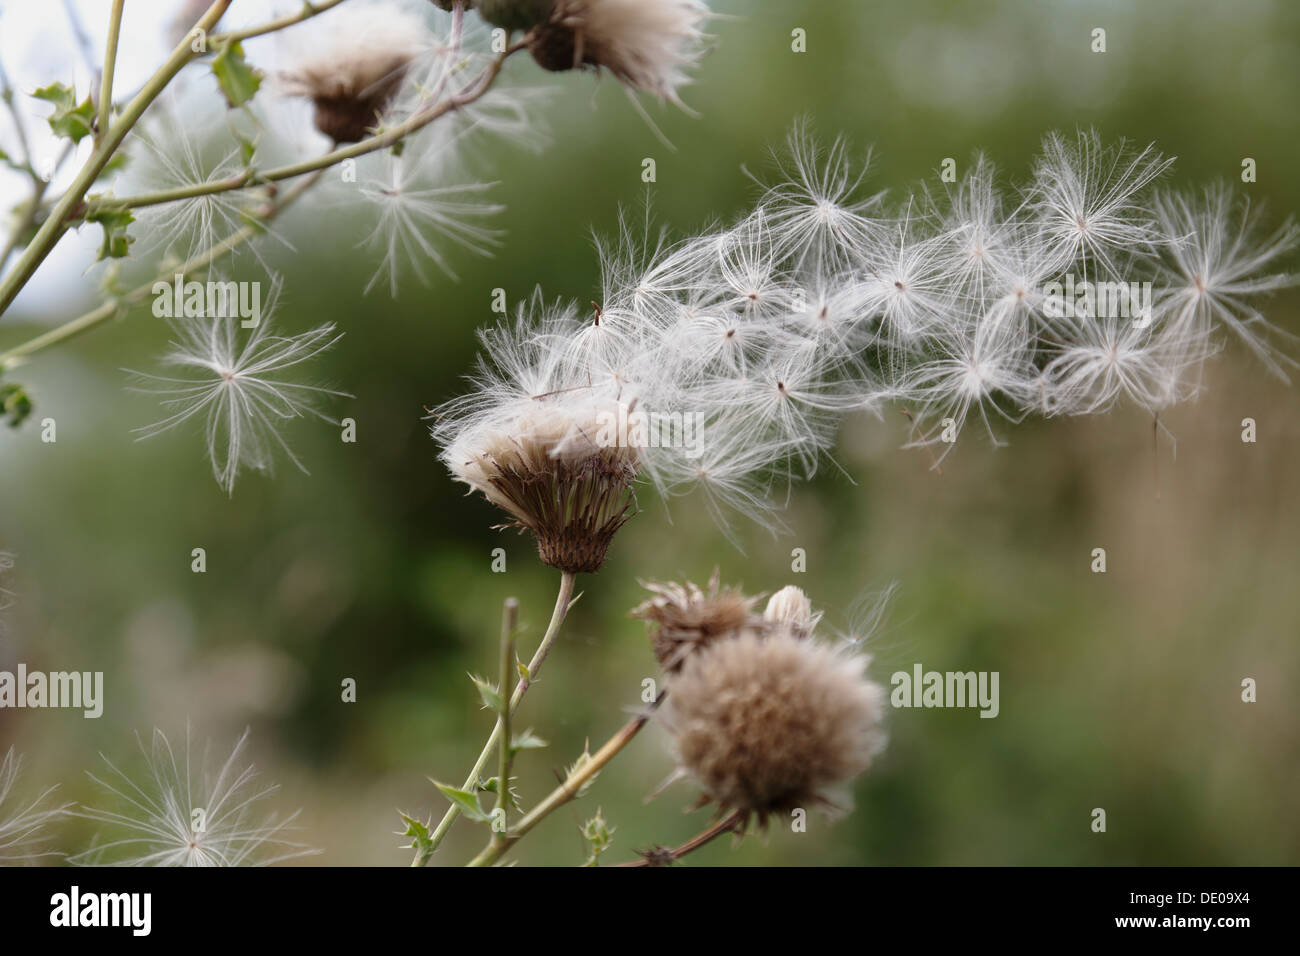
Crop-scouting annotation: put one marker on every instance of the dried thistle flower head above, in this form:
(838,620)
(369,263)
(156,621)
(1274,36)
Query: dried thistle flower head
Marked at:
(684,618)
(355,66)
(791,608)
(769,724)
(646,44)
(544,465)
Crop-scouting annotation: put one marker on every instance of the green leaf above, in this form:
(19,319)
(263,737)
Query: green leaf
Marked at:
(466,801)
(526,741)
(70,118)
(15,405)
(598,835)
(524,672)
(238,80)
(421,838)
(492,698)
(117,244)
(247,149)
(491,785)
(582,761)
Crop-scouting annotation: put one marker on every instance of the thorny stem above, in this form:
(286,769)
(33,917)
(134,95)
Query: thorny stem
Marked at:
(569,788)
(311,168)
(110,64)
(115,306)
(509,622)
(71,207)
(563,601)
(57,223)
(468,94)
(731,823)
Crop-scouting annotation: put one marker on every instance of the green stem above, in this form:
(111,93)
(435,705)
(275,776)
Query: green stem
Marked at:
(308,11)
(567,790)
(57,223)
(110,63)
(382,140)
(509,622)
(115,306)
(563,601)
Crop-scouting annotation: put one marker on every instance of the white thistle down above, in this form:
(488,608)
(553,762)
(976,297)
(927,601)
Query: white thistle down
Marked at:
(234,381)
(649,45)
(413,212)
(22,824)
(822,300)
(352,62)
(182,815)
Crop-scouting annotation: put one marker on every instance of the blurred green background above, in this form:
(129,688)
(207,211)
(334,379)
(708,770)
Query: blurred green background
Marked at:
(1119,691)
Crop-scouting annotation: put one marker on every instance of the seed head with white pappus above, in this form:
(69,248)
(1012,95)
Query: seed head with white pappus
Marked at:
(182,815)
(235,383)
(647,44)
(23,824)
(352,62)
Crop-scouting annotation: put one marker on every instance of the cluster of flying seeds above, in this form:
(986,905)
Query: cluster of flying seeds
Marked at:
(741,350)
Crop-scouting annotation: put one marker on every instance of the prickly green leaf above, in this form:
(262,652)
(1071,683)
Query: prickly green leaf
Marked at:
(492,699)
(421,838)
(238,80)
(598,835)
(70,118)
(526,741)
(117,244)
(467,802)
(524,672)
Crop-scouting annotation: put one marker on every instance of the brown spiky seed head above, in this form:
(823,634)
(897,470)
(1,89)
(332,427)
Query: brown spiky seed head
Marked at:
(549,471)
(684,618)
(768,724)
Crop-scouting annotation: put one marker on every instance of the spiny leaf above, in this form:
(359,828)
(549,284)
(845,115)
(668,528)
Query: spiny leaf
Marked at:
(526,741)
(238,80)
(598,835)
(70,118)
(421,838)
(467,802)
(117,244)
(492,698)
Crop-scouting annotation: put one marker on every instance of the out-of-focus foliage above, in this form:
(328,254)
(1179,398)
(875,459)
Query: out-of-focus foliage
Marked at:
(1118,690)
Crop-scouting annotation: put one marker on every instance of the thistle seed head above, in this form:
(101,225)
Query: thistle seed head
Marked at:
(545,468)
(352,73)
(768,724)
(646,44)
(684,618)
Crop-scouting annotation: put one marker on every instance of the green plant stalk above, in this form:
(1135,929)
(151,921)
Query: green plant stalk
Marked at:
(110,64)
(57,223)
(308,11)
(381,140)
(509,622)
(567,790)
(563,601)
(114,306)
